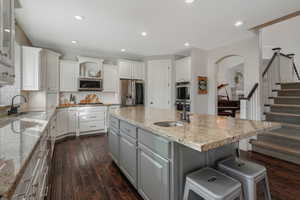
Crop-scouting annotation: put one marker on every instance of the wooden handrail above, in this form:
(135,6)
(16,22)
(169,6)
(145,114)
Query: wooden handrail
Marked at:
(296,71)
(251,93)
(269,65)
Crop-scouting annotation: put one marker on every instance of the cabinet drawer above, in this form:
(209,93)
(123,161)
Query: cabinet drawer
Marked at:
(91,126)
(157,144)
(114,122)
(92,109)
(128,129)
(92,117)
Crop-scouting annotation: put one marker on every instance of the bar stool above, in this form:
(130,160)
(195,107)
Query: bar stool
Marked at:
(210,184)
(249,174)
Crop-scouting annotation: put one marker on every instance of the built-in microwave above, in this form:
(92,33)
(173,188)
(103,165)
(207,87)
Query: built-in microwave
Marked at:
(90,84)
(183,91)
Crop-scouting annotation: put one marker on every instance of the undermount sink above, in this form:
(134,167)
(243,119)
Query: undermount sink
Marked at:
(169,124)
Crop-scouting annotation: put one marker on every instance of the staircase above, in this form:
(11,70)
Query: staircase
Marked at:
(284,107)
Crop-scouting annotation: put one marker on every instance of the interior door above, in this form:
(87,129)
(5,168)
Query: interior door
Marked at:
(159,86)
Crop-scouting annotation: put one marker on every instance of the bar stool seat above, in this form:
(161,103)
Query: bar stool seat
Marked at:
(248,173)
(212,185)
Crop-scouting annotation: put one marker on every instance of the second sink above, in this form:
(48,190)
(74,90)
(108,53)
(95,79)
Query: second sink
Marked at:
(169,123)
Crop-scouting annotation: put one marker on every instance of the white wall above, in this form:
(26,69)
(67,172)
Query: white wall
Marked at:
(286,35)
(250,51)
(199,68)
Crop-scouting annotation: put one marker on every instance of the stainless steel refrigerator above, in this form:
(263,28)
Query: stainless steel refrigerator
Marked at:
(132,92)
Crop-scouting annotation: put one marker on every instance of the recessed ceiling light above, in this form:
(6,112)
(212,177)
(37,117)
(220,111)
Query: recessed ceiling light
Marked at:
(144,33)
(78,17)
(189,1)
(74,42)
(7,30)
(239,23)
(123,50)
(187,44)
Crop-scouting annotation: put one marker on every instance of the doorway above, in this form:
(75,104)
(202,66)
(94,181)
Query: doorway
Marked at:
(230,85)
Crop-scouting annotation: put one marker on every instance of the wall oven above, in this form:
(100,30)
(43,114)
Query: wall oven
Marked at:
(90,84)
(183,91)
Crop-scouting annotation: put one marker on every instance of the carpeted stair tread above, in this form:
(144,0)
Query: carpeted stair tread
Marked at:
(276,147)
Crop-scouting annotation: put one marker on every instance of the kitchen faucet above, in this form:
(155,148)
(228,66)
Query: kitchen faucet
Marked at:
(13,108)
(185,116)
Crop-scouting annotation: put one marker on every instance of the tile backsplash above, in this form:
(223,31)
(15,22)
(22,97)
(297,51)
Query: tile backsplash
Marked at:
(103,96)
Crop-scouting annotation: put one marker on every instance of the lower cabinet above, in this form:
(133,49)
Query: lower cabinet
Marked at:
(114,144)
(128,158)
(153,173)
(145,163)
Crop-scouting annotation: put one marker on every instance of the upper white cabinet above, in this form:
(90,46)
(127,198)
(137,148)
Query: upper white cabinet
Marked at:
(183,69)
(40,69)
(32,68)
(69,73)
(131,70)
(138,70)
(52,70)
(110,78)
(125,69)
(7,33)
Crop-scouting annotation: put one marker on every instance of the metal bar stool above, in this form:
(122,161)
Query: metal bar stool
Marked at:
(210,184)
(249,174)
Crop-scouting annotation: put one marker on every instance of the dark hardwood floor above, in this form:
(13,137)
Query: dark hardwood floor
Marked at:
(83,170)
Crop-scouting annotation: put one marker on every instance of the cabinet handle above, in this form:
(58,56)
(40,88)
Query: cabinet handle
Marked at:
(93,117)
(93,126)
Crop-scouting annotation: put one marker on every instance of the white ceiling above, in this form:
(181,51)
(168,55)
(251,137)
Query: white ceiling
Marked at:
(111,25)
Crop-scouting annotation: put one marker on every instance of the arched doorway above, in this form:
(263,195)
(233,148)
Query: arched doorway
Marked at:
(229,76)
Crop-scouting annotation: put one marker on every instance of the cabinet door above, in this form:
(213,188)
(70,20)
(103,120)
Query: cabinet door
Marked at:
(125,69)
(62,122)
(69,73)
(72,121)
(7,30)
(31,72)
(128,158)
(114,143)
(110,78)
(183,70)
(138,71)
(52,69)
(153,175)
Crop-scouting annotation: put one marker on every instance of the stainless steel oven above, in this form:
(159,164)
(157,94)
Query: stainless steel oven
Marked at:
(90,84)
(183,91)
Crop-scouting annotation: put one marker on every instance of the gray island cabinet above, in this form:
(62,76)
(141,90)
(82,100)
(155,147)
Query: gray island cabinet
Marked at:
(157,159)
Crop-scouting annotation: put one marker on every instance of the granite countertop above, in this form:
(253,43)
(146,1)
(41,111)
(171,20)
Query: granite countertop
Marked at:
(18,138)
(61,106)
(203,133)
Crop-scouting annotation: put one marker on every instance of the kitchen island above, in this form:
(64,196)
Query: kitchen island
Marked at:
(156,159)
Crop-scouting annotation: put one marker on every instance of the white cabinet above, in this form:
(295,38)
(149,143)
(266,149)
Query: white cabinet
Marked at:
(110,78)
(7,33)
(125,69)
(91,120)
(69,73)
(40,69)
(32,68)
(52,71)
(153,175)
(138,70)
(128,158)
(183,70)
(66,122)
(131,70)
(62,123)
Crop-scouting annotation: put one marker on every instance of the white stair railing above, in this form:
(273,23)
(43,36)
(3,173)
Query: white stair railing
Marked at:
(250,105)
